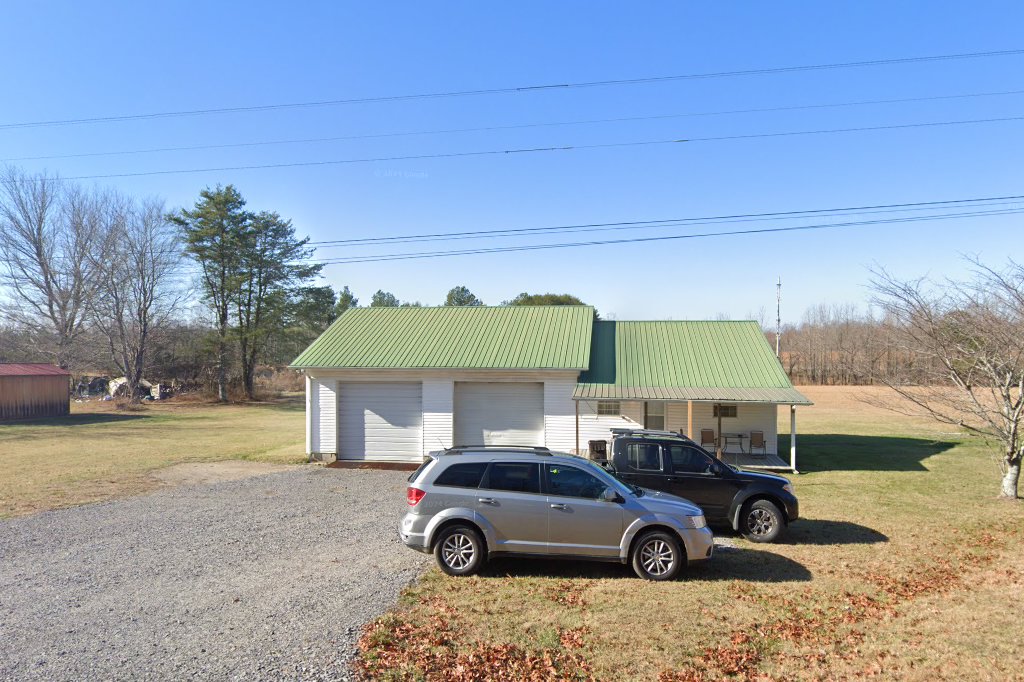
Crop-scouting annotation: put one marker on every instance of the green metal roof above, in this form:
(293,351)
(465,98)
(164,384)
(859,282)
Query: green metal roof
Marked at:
(690,360)
(452,337)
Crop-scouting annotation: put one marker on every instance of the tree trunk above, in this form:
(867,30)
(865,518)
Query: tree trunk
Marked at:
(222,368)
(1011,477)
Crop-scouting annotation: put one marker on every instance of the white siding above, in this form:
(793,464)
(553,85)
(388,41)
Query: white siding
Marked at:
(598,427)
(438,409)
(560,415)
(499,413)
(675,417)
(380,421)
(323,430)
(749,417)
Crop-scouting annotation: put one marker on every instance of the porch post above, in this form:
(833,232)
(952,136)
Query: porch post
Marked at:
(718,444)
(689,419)
(577,426)
(792,437)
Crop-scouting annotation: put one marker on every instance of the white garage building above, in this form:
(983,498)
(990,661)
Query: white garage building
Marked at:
(390,384)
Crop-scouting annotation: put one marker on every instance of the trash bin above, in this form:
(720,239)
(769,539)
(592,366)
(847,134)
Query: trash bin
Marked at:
(598,449)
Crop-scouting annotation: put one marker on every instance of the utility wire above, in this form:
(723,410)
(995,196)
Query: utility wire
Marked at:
(498,152)
(520,126)
(633,240)
(515,90)
(669,222)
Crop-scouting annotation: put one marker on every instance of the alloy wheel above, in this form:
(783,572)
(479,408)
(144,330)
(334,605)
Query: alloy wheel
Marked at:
(760,522)
(458,551)
(657,557)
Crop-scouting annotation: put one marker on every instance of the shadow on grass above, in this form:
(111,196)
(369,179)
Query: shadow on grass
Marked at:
(822,532)
(847,452)
(78,419)
(729,563)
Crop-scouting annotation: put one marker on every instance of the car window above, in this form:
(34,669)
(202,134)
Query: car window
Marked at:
(416,474)
(520,477)
(643,456)
(572,482)
(686,459)
(466,475)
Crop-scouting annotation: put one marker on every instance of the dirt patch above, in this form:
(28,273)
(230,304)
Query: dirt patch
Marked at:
(199,473)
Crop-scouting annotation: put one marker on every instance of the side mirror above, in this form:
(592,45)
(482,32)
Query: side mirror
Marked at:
(609,495)
(716,469)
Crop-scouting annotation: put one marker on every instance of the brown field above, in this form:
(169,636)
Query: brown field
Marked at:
(905,566)
(99,452)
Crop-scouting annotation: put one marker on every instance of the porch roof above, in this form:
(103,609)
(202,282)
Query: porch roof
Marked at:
(711,361)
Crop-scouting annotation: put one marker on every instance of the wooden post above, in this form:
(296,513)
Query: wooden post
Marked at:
(689,419)
(792,438)
(718,440)
(577,426)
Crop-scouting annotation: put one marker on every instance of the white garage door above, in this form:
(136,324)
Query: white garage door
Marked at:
(380,421)
(499,413)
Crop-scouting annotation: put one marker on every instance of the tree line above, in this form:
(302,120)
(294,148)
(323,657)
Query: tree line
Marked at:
(96,281)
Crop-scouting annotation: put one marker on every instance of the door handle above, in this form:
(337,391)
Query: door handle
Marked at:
(670,479)
(486,500)
(558,506)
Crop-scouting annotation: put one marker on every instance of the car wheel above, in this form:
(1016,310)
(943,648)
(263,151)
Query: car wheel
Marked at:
(761,521)
(658,556)
(459,550)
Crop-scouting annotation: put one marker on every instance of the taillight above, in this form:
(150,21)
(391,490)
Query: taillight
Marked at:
(413,496)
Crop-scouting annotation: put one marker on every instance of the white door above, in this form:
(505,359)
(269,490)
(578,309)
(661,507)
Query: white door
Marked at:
(380,421)
(499,413)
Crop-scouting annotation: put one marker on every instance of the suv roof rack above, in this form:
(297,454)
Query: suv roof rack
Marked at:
(647,432)
(536,449)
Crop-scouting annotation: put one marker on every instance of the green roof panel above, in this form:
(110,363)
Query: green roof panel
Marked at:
(453,337)
(685,360)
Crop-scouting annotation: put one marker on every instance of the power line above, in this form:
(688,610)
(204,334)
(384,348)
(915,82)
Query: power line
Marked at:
(670,222)
(519,126)
(514,90)
(632,240)
(497,152)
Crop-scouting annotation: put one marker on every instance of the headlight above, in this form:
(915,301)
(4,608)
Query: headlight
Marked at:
(789,488)
(697,521)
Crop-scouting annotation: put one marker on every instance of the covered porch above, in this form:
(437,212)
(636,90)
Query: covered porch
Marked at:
(718,383)
(741,432)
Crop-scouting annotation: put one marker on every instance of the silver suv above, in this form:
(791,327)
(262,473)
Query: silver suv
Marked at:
(470,503)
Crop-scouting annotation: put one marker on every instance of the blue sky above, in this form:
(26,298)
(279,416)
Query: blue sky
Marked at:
(70,60)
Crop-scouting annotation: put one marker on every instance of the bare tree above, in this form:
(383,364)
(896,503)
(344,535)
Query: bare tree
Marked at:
(135,266)
(47,231)
(965,337)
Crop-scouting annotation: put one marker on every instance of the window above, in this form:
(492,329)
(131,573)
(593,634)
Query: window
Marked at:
(465,475)
(726,411)
(654,416)
(514,476)
(573,482)
(609,407)
(688,460)
(643,456)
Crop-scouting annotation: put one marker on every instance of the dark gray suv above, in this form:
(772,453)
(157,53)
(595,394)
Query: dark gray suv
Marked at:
(468,504)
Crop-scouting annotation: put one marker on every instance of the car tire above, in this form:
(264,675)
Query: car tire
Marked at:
(459,550)
(761,521)
(658,555)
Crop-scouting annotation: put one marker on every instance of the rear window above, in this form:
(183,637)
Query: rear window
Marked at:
(416,474)
(519,477)
(466,475)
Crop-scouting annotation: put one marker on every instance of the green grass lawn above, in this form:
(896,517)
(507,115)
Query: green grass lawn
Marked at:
(97,452)
(905,566)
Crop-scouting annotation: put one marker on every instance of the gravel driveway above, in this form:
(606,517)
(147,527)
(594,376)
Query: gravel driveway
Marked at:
(268,577)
